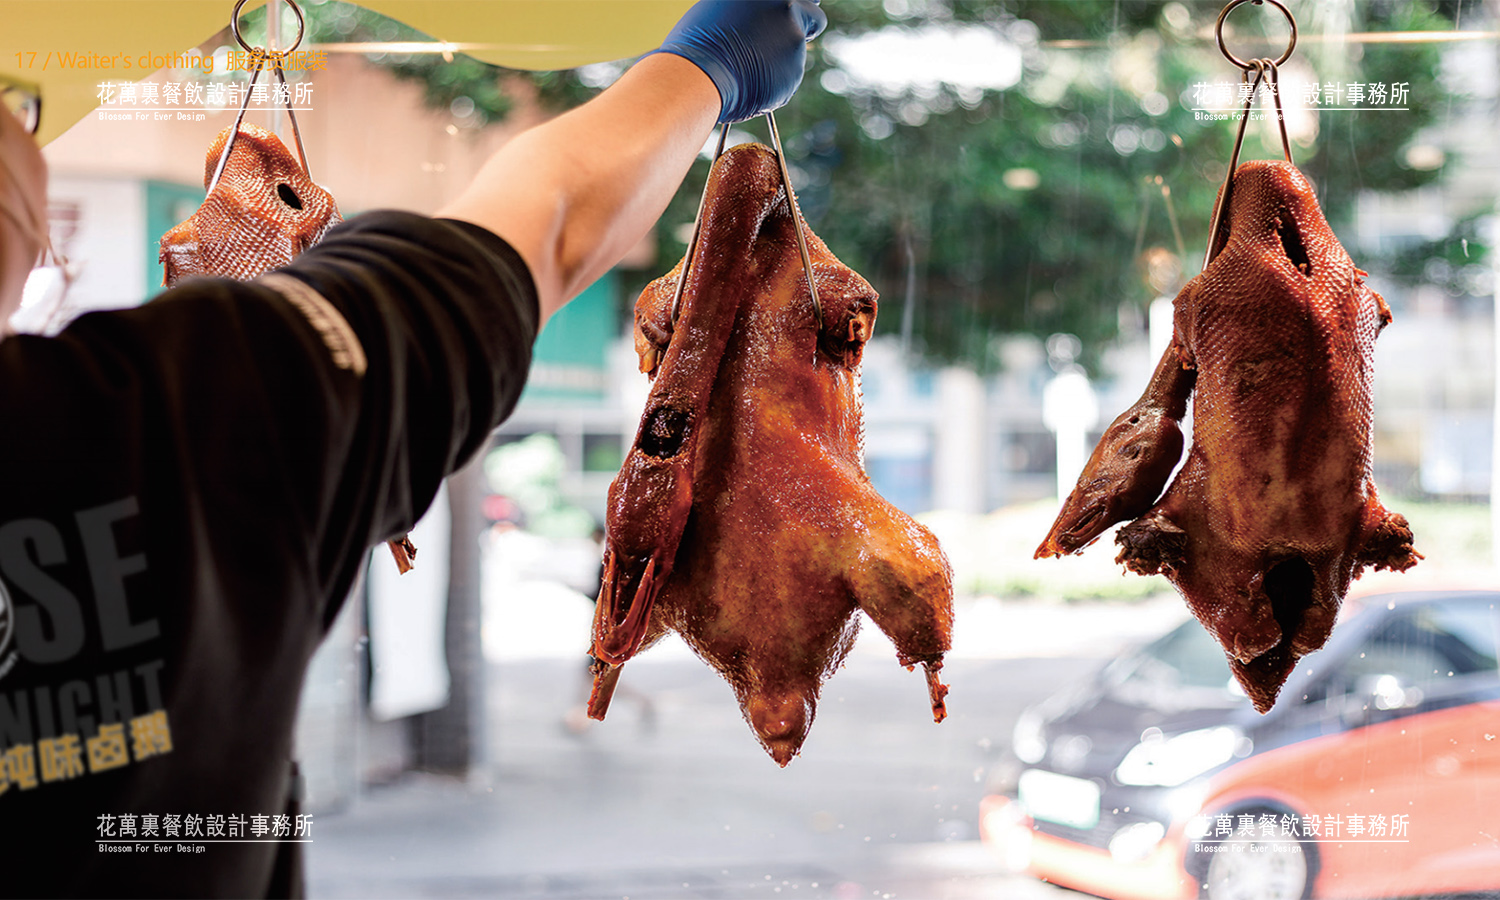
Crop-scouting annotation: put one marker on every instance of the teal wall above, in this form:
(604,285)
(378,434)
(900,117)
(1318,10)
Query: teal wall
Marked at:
(167,205)
(569,358)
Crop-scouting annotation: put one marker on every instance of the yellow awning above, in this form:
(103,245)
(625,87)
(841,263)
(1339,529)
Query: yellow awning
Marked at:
(70,46)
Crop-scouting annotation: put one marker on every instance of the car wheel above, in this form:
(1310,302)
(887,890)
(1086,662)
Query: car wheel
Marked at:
(1251,867)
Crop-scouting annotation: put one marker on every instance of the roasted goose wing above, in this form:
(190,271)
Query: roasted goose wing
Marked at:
(1275,511)
(743,518)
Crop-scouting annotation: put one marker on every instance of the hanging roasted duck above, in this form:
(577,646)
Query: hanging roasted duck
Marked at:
(1275,510)
(263,211)
(742,518)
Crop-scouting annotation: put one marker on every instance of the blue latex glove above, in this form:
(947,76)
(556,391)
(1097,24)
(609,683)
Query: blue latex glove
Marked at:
(752,49)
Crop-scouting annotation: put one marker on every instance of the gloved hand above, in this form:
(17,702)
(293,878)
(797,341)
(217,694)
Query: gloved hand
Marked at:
(752,49)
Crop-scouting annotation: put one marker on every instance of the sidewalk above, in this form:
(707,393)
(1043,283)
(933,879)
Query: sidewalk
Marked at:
(673,798)
(685,804)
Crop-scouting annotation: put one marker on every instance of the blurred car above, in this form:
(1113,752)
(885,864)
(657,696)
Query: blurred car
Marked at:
(1376,774)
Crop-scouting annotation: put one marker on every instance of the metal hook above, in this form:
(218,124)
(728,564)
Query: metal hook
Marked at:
(791,199)
(234,25)
(687,261)
(1265,70)
(1259,65)
(1247,66)
(260,58)
(786,180)
(1286,145)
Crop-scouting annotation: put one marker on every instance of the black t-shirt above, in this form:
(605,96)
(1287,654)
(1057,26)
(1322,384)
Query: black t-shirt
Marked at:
(189,489)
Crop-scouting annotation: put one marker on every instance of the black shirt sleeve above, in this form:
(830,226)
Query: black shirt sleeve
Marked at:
(285,453)
(190,488)
(445,314)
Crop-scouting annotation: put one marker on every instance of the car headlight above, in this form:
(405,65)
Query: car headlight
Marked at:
(1134,843)
(1170,761)
(1028,740)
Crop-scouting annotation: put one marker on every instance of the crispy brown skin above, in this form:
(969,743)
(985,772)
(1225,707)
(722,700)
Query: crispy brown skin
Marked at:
(246,227)
(780,536)
(1275,510)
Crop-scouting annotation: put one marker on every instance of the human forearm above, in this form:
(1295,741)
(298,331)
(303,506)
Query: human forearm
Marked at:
(574,194)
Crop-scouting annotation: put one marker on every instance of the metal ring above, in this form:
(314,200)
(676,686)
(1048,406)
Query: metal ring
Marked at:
(234,25)
(1219,33)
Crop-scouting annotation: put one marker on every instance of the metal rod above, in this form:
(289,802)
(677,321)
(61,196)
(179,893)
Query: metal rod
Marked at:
(1166,195)
(1265,70)
(273,50)
(277,58)
(791,199)
(1234,158)
(687,261)
(290,114)
(1219,33)
(1286,145)
(229,145)
(260,58)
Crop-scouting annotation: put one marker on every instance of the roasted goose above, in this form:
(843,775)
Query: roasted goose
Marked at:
(1275,510)
(742,518)
(263,212)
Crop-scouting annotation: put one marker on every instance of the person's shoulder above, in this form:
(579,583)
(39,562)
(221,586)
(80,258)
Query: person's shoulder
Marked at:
(451,235)
(407,255)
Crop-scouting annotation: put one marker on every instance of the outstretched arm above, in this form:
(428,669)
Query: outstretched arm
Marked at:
(575,194)
(572,196)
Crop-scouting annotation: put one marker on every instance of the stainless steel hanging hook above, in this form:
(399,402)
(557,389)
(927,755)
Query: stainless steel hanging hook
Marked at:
(1247,66)
(791,199)
(259,59)
(1265,71)
(786,180)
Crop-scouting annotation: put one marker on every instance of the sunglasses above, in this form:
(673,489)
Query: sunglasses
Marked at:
(23,100)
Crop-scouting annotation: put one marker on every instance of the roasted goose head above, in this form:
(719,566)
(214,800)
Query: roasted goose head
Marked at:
(1275,511)
(263,212)
(742,518)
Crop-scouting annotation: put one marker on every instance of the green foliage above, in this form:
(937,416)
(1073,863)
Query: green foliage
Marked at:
(912,190)
(1046,206)
(1366,151)
(473,91)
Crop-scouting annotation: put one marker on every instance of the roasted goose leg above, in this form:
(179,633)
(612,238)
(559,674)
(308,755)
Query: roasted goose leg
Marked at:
(743,518)
(1275,511)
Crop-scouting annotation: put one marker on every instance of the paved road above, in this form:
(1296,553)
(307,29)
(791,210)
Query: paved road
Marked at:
(678,801)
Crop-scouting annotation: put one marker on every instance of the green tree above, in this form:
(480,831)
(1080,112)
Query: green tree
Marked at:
(1042,206)
(926,209)
(472,90)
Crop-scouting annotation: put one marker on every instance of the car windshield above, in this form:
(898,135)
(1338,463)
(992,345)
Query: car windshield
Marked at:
(1184,659)
(1427,647)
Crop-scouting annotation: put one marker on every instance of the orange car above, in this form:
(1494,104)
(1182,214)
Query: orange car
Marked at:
(1377,773)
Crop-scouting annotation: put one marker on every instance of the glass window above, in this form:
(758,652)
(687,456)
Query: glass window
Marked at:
(1430,645)
(1028,185)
